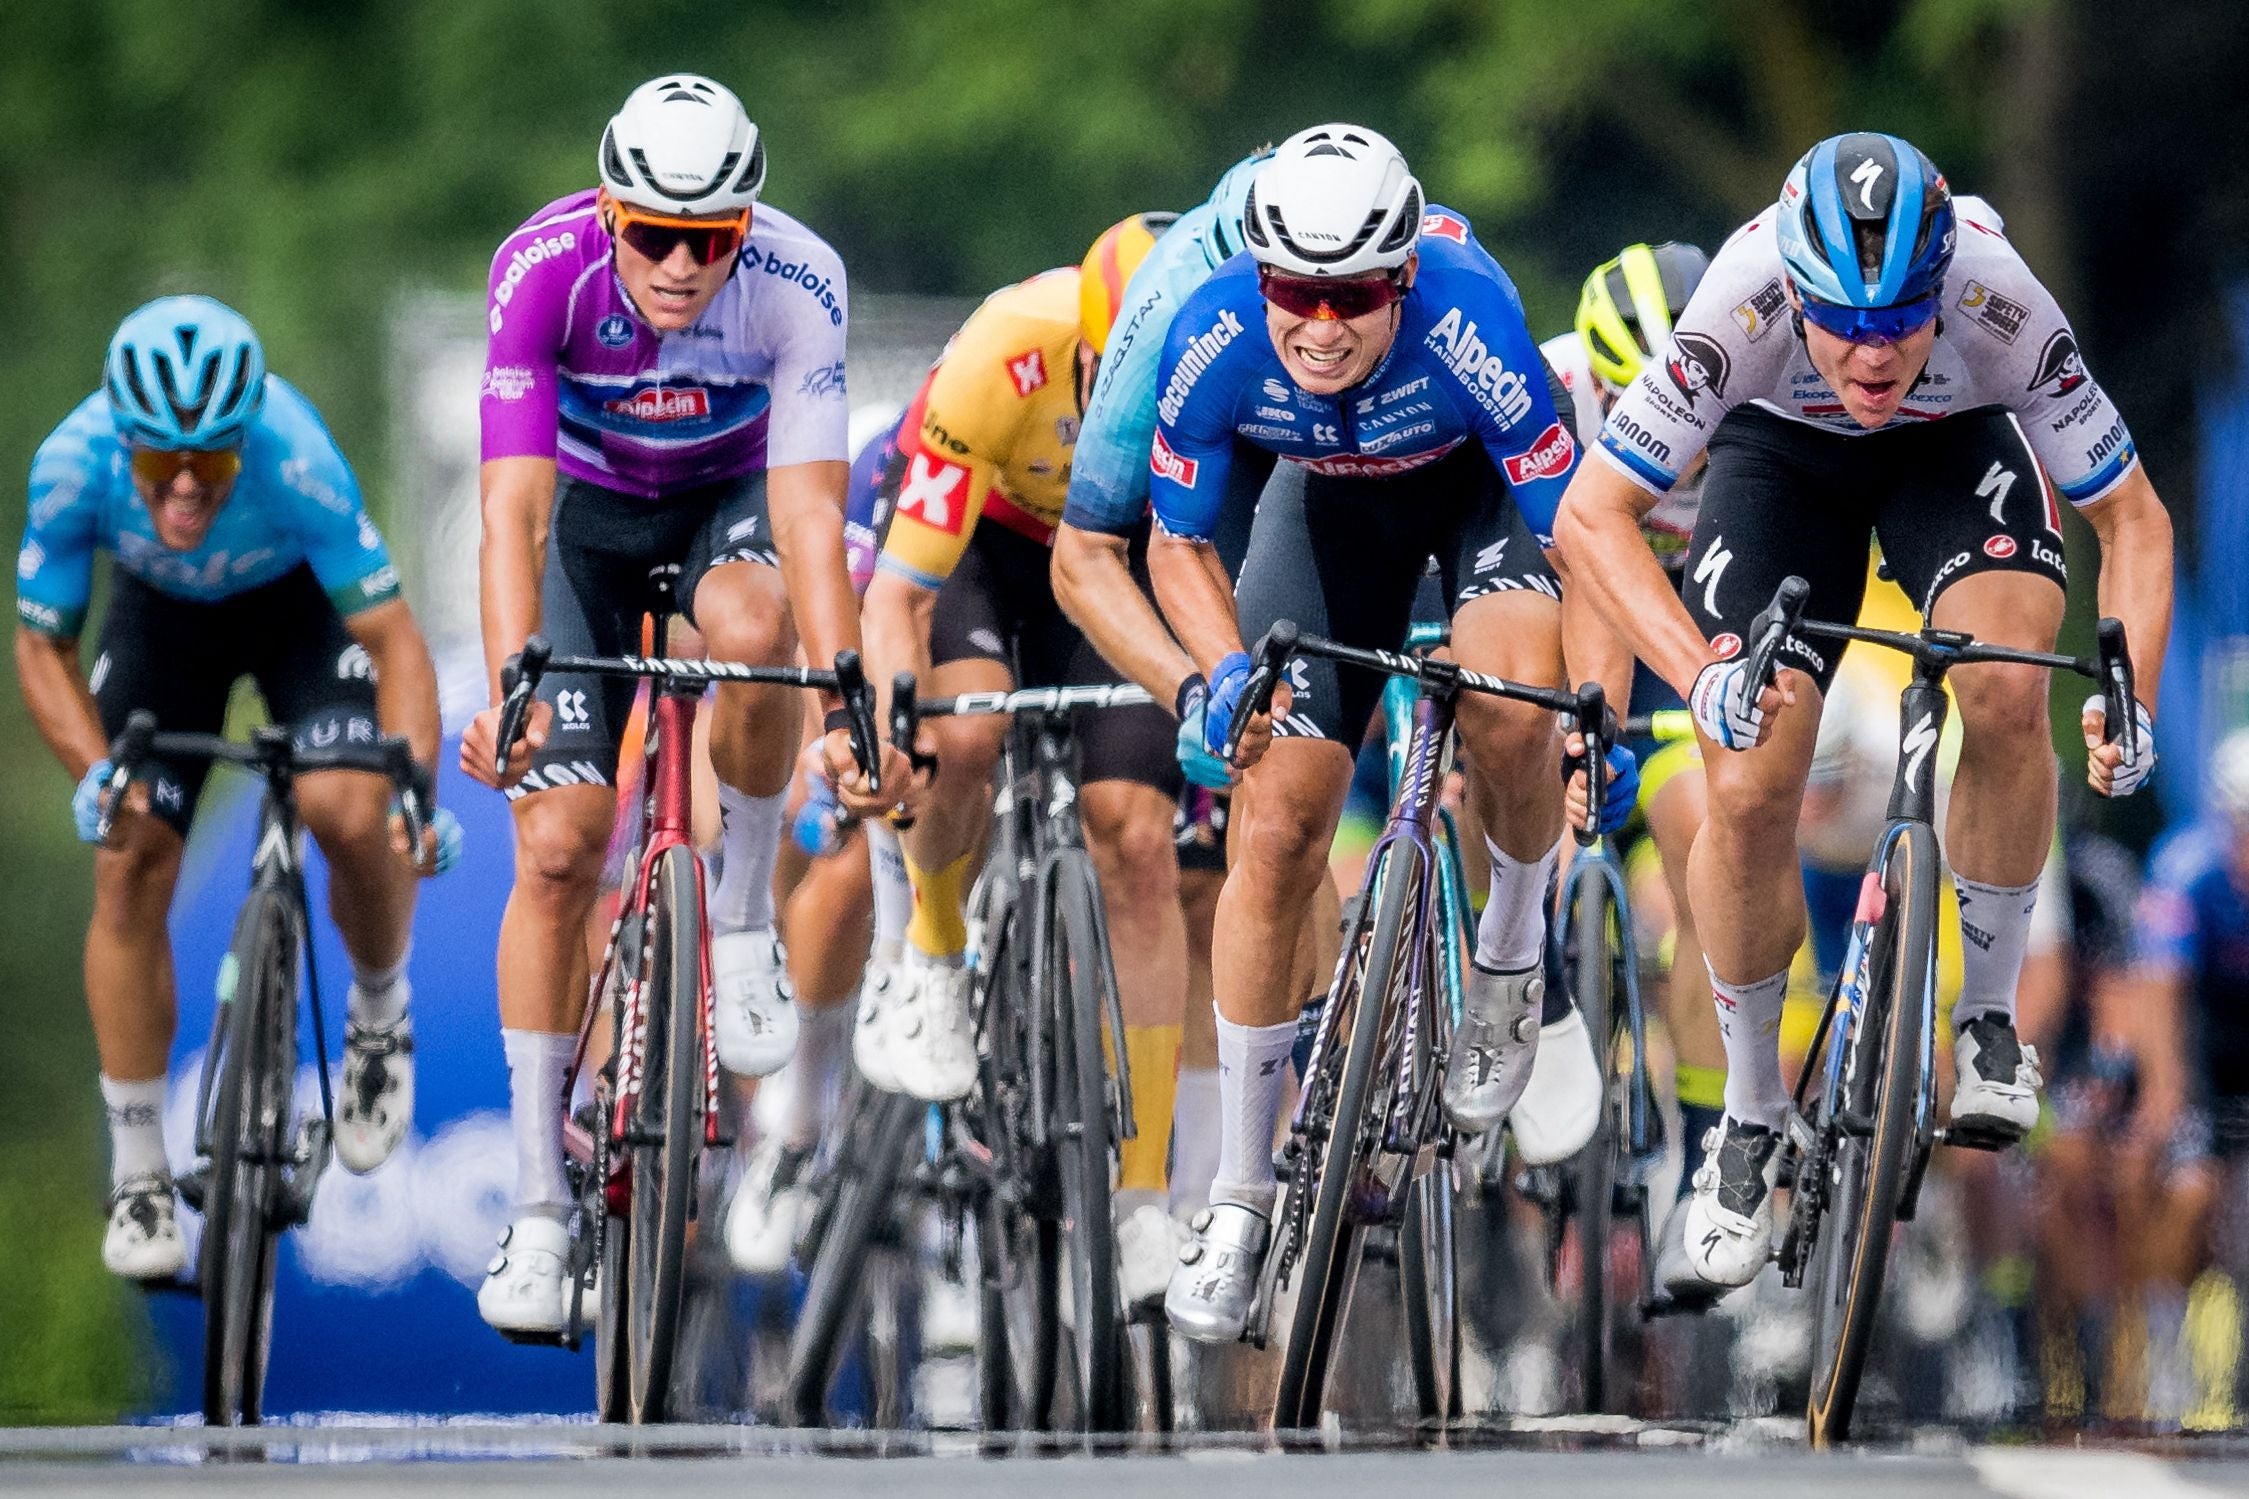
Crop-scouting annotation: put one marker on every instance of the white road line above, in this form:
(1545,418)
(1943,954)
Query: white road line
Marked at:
(2049,1473)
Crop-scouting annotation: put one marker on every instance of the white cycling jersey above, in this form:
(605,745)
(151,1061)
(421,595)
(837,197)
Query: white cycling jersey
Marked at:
(2001,342)
(1672,521)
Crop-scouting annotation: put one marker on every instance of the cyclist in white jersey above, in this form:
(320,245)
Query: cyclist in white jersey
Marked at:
(1866,357)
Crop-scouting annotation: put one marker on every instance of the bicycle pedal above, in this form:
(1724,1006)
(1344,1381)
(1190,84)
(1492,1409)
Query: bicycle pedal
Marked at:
(1985,1137)
(178,1286)
(193,1184)
(1668,1304)
(528,1339)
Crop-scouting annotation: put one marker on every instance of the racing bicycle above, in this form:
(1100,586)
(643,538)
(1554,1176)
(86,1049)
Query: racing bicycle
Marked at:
(258,1164)
(1368,1145)
(1864,1124)
(635,1153)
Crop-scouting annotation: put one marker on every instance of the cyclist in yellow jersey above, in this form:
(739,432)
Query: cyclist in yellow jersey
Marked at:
(961,598)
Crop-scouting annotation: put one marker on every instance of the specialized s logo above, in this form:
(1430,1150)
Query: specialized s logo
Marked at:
(1028,371)
(1552,454)
(1163,462)
(935,493)
(1697,364)
(2060,368)
(1919,740)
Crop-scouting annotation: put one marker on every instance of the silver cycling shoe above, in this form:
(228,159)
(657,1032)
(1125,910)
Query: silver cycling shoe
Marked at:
(1215,1285)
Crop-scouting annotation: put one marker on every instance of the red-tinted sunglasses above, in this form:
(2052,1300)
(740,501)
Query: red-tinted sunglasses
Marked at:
(656,235)
(1315,297)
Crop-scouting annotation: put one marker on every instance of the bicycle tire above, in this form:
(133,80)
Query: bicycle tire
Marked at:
(1071,986)
(1428,1280)
(862,1185)
(662,1141)
(612,1351)
(249,1138)
(1868,1173)
(1593,1170)
(1328,1265)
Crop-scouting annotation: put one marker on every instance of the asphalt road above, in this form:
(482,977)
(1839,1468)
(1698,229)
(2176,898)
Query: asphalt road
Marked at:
(1526,1460)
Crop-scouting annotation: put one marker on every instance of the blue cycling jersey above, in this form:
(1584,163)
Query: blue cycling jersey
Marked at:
(1109,471)
(2194,925)
(1463,365)
(295,502)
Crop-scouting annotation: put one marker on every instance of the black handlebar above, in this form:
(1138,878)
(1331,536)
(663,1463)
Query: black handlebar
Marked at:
(1267,663)
(2118,690)
(519,679)
(271,752)
(859,709)
(1770,630)
(1593,720)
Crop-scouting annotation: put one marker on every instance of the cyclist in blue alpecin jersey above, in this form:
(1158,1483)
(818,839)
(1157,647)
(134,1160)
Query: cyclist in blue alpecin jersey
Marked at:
(240,548)
(1370,342)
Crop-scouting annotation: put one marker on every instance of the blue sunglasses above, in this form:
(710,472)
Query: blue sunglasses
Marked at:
(1872,325)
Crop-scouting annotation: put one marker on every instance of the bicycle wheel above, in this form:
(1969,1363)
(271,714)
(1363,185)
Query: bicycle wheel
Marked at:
(1592,1173)
(1071,984)
(1880,1084)
(1328,1263)
(1429,1283)
(663,1140)
(249,1139)
(858,1197)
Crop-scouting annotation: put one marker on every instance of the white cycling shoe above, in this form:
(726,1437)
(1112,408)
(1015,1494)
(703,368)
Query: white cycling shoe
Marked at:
(143,1239)
(1729,1221)
(879,994)
(753,1010)
(1215,1284)
(376,1107)
(523,1294)
(1995,1080)
(768,1208)
(1561,1105)
(1148,1244)
(931,1040)
(1490,1065)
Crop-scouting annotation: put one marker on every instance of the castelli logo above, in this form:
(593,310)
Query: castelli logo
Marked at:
(1727,646)
(1999,546)
(661,403)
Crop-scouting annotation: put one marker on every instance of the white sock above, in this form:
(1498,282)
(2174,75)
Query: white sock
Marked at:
(1749,1022)
(136,1128)
(1252,1074)
(1994,930)
(1194,1138)
(823,1041)
(536,1062)
(749,842)
(1512,934)
(378,995)
(894,893)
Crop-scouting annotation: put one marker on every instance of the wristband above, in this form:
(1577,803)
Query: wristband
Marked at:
(1192,689)
(838,718)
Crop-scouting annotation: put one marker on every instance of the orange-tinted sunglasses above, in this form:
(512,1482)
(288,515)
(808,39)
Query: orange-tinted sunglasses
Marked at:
(158,467)
(656,235)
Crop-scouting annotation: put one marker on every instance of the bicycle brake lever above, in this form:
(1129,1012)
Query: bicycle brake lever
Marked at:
(1266,666)
(2119,692)
(519,682)
(1594,726)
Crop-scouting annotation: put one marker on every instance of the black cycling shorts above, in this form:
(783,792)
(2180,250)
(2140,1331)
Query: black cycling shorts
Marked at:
(180,658)
(998,605)
(1947,499)
(1343,556)
(611,560)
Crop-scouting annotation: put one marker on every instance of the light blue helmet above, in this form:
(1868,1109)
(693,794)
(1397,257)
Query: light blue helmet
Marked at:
(1231,200)
(1865,221)
(185,372)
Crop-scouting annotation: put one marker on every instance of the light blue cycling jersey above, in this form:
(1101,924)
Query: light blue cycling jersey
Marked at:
(295,502)
(1109,472)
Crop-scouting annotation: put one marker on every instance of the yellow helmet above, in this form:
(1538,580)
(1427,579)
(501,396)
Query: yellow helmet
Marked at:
(1625,312)
(1106,269)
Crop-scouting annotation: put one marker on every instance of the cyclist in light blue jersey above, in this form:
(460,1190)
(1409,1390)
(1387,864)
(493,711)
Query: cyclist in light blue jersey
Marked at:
(239,548)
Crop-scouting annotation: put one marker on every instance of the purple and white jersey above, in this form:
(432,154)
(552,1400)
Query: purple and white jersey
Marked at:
(572,373)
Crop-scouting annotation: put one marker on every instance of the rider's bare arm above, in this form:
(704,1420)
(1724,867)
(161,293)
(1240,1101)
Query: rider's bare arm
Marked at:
(55,692)
(1609,566)
(1196,595)
(805,502)
(1092,574)
(2135,582)
(518,502)
(405,677)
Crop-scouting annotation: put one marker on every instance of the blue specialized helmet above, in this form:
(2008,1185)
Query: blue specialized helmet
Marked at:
(1231,200)
(1865,221)
(185,372)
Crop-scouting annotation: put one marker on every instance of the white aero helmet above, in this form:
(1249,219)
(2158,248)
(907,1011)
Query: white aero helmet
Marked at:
(1334,200)
(683,145)
(2229,775)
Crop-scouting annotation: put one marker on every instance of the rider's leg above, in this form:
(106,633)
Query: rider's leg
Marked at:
(1517,790)
(129,988)
(2001,820)
(370,888)
(948,828)
(1675,813)
(742,611)
(1129,835)
(1195,1113)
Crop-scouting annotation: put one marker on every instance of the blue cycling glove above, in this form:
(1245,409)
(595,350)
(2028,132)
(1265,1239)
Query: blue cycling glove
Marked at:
(1621,791)
(1226,686)
(818,829)
(1197,763)
(450,839)
(86,801)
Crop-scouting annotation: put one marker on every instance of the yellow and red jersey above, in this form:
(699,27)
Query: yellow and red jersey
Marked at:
(990,435)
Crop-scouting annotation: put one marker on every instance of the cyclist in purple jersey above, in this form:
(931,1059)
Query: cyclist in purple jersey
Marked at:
(1866,356)
(664,427)
(1370,343)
